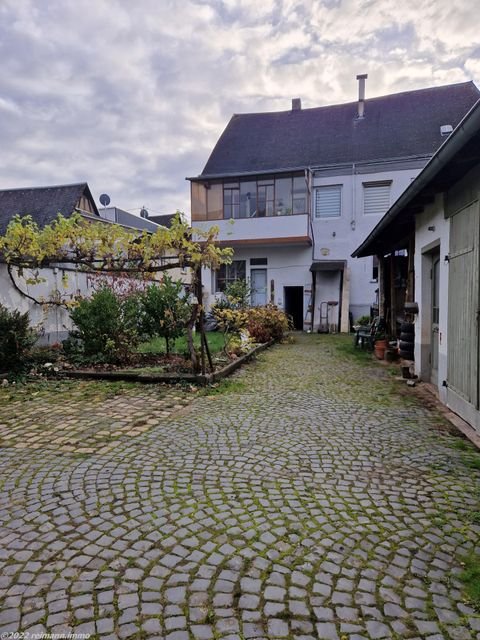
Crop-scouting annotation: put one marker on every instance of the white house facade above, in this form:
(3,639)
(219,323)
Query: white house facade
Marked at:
(295,192)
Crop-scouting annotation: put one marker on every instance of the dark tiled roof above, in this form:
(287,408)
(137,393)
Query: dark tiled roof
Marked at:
(164,220)
(394,126)
(42,203)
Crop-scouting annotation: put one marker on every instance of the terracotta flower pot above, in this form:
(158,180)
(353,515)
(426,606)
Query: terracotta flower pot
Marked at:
(379,349)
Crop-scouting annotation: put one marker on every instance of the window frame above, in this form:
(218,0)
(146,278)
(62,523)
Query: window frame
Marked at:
(318,189)
(373,185)
(232,187)
(265,193)
(229,277)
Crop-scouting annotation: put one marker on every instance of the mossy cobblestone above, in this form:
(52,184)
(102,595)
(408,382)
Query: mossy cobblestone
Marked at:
(313,500)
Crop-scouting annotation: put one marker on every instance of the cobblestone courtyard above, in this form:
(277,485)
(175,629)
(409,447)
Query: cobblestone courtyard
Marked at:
(303,501)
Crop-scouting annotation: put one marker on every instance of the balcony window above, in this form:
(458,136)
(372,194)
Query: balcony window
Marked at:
(283,196)
(231,201)
(299,195)
(228,273)
(265,198)
(248,199)
(268,196)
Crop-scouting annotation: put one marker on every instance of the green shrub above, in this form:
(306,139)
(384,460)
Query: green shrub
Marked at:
(364,321)
(106,329)
(16,340)
(165,310)
(267,323)
(237,294)
(230,321)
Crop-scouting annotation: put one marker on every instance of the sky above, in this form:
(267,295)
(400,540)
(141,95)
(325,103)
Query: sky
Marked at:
(131,97)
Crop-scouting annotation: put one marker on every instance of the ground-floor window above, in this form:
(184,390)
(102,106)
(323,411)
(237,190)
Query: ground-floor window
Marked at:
(228,273)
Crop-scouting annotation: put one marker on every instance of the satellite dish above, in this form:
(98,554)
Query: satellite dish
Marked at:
(143,213)
(105,199)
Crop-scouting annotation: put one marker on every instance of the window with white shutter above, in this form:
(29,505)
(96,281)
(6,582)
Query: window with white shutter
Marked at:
(376,197)
(328,201)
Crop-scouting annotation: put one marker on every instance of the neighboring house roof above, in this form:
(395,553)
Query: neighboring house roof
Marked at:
(453,160)
(394,126)
(163,220)
(42,203)
(120,216)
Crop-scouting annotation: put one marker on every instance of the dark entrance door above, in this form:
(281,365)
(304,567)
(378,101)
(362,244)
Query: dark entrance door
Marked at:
(294,305)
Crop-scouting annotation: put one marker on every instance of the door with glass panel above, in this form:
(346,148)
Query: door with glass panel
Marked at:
(258,285)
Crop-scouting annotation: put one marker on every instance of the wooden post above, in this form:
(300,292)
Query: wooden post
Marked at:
(345,302)
(393,298)
(203,336)
(314,287)
(410,292)
(199,287)
(381,286)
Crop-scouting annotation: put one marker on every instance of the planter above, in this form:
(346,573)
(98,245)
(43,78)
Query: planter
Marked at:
(379,349)
(169,378)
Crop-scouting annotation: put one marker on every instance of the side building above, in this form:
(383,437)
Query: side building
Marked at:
(436,222)
(66,281)
(295,192)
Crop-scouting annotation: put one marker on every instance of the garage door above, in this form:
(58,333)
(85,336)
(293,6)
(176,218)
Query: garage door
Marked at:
(463,307)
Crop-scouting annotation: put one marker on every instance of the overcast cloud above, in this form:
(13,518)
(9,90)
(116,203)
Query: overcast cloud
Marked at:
(132,96)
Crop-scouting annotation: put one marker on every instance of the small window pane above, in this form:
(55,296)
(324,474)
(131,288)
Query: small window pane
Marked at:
(228,273)
(328,201)
(248,199)
(299,195)
(283,196)
(262,201)
(231,199)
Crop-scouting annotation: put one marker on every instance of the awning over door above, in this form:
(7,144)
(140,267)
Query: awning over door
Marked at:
(328,265)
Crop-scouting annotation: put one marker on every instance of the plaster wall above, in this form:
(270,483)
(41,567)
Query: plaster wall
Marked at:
(337,238)
(52,322)
(332,238)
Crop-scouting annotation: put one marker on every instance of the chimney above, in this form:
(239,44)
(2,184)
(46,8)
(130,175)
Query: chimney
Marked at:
(361,94)
(296,104)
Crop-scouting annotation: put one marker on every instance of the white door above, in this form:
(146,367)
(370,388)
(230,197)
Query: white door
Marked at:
(259,287)
(463,345)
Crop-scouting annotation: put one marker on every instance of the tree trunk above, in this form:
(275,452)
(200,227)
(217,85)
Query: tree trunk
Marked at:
(191,346)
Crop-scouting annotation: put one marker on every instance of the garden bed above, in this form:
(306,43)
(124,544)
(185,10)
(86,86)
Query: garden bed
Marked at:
(152,377)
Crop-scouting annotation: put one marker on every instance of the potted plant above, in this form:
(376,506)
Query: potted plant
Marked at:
(380,344)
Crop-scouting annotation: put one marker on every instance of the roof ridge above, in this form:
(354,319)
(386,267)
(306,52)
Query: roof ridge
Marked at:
(54,186)
(354,102)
